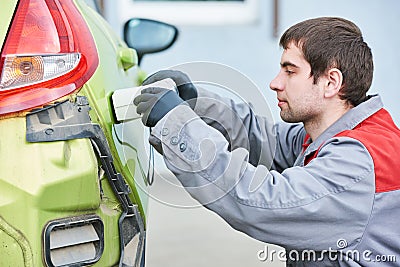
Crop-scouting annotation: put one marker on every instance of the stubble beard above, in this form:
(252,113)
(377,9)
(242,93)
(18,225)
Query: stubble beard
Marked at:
(304,115)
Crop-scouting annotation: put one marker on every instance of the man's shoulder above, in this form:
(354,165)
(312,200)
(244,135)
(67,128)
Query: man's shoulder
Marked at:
(381,137)
(374,128)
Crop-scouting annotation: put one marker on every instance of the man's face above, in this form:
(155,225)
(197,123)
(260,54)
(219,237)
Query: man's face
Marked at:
(298,98)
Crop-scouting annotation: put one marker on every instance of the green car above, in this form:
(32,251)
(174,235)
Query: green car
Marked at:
(72,193)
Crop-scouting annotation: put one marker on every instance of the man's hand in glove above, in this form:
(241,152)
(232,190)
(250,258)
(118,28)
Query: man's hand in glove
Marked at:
(187,91)
(154,102)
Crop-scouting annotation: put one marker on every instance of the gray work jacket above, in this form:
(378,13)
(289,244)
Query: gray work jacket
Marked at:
(251,172)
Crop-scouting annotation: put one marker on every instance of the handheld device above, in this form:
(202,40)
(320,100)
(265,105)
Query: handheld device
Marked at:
(122,99)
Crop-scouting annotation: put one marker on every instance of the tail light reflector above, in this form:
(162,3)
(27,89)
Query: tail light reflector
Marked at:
(49,53)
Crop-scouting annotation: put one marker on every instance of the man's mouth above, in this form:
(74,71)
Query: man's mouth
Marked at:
(281,102)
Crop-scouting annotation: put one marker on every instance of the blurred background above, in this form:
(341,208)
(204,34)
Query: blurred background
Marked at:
(243,35)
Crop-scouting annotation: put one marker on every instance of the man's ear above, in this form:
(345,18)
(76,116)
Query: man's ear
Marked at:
(334,82)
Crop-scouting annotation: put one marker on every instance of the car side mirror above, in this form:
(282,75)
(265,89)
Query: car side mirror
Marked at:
(148,36)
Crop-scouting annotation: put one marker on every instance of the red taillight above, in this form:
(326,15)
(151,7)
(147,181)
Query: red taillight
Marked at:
(49,53)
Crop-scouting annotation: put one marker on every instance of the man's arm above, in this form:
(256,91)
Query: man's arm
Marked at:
(275,146)
(268,143)
(308,207)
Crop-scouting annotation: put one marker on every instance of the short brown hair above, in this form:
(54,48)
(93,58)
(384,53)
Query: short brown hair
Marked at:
(330,42)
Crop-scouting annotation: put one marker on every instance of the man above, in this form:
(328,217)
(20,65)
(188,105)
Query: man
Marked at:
(331,187)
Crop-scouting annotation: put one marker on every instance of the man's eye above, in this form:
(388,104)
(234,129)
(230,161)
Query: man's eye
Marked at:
(289,72)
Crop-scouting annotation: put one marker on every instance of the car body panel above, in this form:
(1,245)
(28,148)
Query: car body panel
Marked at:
(99,90)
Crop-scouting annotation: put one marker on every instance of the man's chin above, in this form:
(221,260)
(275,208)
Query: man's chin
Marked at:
(288,118)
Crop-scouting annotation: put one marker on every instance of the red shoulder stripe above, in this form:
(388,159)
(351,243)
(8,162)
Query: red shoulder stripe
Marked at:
(381,137)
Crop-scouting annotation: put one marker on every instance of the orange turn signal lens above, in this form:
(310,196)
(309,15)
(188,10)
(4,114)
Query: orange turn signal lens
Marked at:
(25,70)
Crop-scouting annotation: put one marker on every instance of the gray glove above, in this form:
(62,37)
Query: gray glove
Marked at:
(187,91)
(154,102)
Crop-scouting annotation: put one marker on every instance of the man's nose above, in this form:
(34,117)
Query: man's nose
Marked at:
(276,84)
